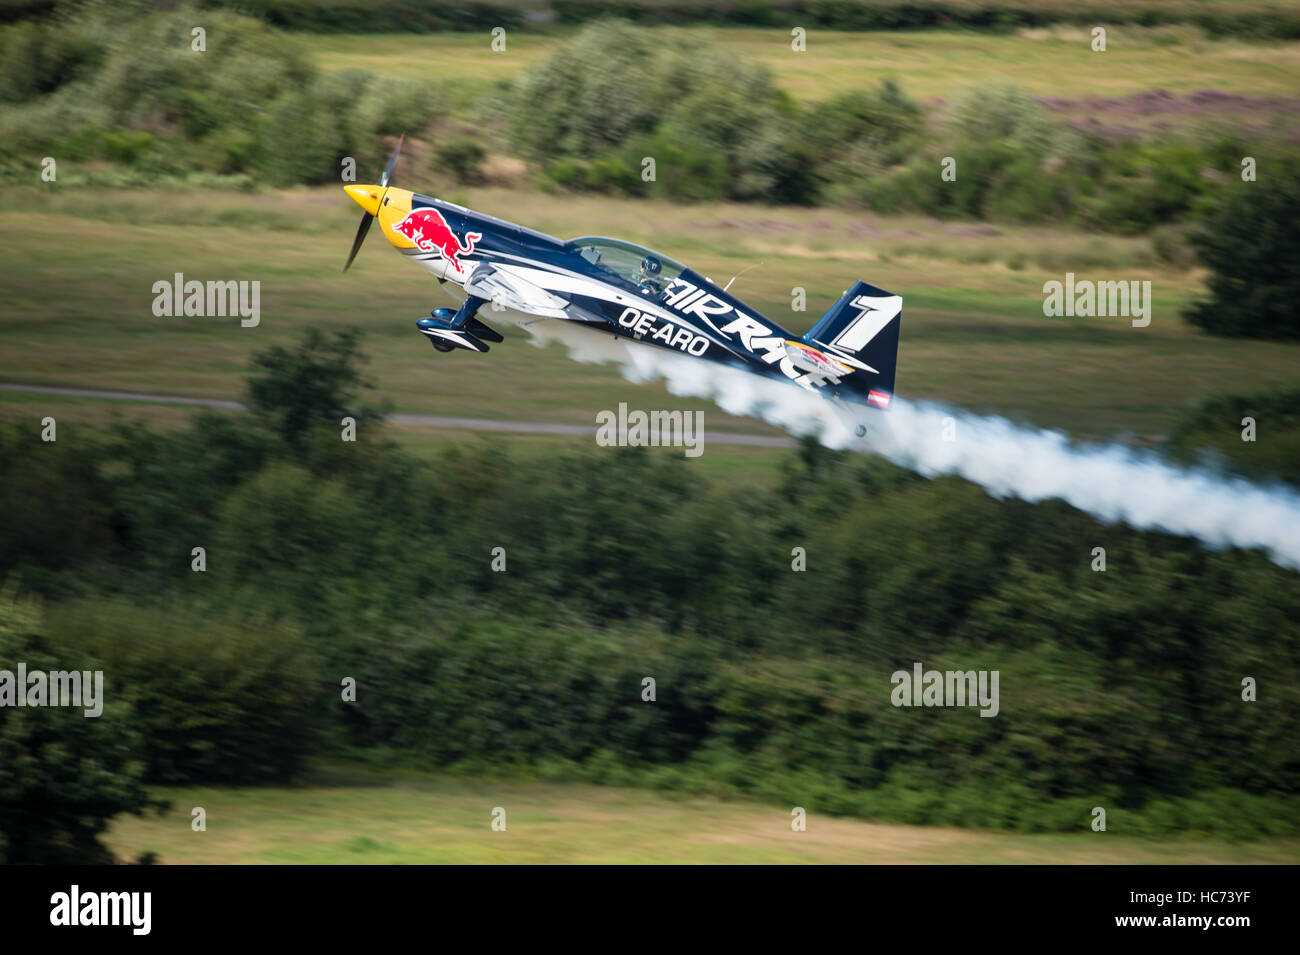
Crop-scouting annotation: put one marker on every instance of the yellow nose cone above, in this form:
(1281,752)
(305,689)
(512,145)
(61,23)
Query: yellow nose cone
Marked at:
(367,197)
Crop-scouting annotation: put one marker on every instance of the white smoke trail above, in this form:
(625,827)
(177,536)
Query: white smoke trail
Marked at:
(1110,482)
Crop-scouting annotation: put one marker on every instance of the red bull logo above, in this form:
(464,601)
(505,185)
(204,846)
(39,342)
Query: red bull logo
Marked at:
(810,359)
(429,230)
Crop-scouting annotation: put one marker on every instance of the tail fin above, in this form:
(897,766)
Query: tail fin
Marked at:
(861,329)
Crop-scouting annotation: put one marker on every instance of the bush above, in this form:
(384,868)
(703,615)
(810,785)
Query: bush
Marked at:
(381,16)
(558,111)
(715,129)
(1214,429)
(1249,240)
(61,495)
(568,174)
(1255,19)
(63,776)
(464,157)
(1145,184)
(40,57)
(686,169)
(251,103)
(213,700)
(614,174)
(308,133)
(880,117)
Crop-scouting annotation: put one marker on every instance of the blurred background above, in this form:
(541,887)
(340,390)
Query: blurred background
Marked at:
(143,139)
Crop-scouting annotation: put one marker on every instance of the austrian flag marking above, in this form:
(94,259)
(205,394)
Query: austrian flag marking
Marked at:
(878,398)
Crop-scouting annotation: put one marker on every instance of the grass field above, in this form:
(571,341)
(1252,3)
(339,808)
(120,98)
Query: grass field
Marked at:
(81,265)
(1057,62)
(426,818)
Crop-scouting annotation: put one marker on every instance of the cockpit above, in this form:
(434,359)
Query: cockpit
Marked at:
(645,268)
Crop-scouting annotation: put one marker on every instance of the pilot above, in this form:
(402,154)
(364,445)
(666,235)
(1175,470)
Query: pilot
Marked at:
(649,283)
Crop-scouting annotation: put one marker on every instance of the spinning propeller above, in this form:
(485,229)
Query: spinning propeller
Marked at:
(370,198)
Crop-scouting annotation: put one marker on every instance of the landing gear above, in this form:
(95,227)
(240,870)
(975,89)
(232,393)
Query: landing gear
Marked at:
(468,309)
(448,330)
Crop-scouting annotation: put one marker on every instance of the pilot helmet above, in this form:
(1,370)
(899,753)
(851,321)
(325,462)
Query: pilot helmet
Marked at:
(651,266)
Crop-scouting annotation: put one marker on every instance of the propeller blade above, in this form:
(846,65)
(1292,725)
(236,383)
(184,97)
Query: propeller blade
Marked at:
(366,219)
(392,161)
(362,230)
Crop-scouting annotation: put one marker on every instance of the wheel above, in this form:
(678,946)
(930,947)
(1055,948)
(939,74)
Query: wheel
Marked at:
(862,430)
(444,347)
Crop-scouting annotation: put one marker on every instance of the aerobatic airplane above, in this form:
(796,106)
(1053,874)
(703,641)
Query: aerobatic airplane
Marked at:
(617,288)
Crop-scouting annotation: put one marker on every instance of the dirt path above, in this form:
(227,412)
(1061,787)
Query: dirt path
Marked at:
(437,421)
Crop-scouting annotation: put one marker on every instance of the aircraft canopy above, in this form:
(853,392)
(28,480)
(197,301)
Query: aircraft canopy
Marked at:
(624,259)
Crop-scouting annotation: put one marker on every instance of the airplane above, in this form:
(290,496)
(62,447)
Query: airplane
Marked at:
(616,288)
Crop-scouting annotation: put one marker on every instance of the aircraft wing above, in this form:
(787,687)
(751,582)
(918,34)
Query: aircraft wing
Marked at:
(511,291)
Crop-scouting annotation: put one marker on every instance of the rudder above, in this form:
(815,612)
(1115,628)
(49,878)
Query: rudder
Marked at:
(862,329)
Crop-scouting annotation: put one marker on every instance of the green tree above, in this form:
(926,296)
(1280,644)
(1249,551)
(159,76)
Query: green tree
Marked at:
(619,90)
(316,382)
(1250,242)
(221,697)
(63,775)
